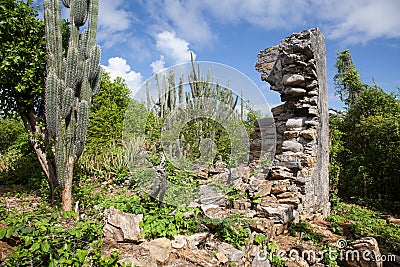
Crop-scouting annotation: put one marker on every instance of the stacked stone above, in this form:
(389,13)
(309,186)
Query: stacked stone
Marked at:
(263,140)
(299,177)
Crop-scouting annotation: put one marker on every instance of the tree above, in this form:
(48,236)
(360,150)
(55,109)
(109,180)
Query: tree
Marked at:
(365,147)
(71,83)
(107,113)
(347,81)
(371,138)
(22,73)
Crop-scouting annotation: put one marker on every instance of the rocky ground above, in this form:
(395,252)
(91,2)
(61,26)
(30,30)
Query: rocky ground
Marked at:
(122,232)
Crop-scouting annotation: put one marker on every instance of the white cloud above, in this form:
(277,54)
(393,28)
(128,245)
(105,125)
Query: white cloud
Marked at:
(355,21)
(113,21)
(158,65)
(359,20)
(173,48)
(269,14)
(118,67)
(189,21)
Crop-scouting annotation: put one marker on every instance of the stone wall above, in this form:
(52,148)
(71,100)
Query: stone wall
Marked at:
(296,68)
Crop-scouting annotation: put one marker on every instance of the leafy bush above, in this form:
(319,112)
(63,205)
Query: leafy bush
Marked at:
(365,222)
(305,231)
(18,163)
(366,147)
(51,238)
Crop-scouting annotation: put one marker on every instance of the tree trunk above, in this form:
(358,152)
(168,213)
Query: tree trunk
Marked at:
(66,193)
(39,141)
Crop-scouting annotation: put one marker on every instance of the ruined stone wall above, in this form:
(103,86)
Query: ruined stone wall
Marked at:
(296,68)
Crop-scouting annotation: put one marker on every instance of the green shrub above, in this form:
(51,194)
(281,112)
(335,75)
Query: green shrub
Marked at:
(50,238)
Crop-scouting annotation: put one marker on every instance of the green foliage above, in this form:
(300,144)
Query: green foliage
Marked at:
(274,259)
(10,130)
(51,238)
(18,165)
(107,114)
(347,80)
(22,57)
(366,147)
(167,222)
(365,150)
(260,240)
(305,231)
(364,222)
(232,229)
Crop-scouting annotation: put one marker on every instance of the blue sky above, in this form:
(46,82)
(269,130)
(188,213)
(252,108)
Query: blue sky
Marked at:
(140,37)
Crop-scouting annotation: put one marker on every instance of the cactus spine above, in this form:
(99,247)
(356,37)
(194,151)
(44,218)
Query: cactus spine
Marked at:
(71,83)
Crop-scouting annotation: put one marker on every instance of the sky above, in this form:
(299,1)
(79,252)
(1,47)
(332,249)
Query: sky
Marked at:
(139,38)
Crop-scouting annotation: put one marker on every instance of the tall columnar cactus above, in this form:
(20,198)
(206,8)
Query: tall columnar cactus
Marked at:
(72,80)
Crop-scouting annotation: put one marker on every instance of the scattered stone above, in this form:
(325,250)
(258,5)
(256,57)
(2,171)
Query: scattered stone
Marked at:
(233,254)
(159,248)
(363,253)
(221,257)
(215,212)
(121,226)
(282,213)
(263,225)
(260,260)
(264,189)
(196,239)
(179,242)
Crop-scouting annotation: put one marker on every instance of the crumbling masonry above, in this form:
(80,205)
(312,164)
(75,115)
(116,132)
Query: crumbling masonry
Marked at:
(296,68)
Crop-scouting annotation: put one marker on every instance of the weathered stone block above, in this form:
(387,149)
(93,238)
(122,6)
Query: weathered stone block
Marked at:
(293,146)
(294,80)
(294,123)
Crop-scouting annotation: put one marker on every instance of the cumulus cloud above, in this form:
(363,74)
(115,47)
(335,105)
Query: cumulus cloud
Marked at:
(158,65)
(113,22)
(173,48)
(188,19)
(356,21)
(360,21)
(118,67)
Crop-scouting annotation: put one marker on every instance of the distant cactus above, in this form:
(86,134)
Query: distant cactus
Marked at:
(201,94)
(71,83)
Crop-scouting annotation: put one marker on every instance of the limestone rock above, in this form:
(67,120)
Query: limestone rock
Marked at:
(293,146)
(196,239)
(264,189)
(365,251)
(295,92)
(215,211)
(294,123)
(221,257)
(281,213)
(159,248)
(211,195)
(280,173)
(263,225)
(121,226)
(179,242)
(302,130)
(233,254)
(260,260)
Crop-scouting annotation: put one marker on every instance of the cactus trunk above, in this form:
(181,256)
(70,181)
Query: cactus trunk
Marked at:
(72,81)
